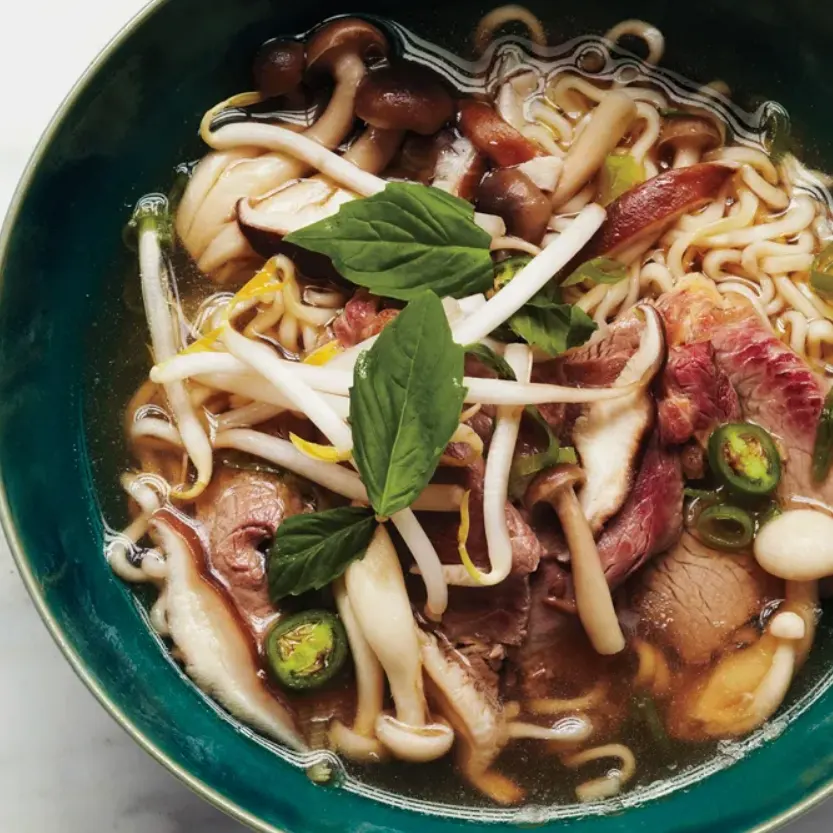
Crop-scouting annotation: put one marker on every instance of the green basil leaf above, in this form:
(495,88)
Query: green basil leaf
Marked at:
(777,132)
(554,327)
(405,404)
(310,551)
(821,272)
(597,270)
(823,447)
(492,360)
(620,172)
(404,240)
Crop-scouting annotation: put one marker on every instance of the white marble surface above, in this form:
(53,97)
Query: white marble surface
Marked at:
(65,766)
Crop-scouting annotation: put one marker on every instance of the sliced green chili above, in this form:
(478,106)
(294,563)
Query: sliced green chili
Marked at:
(306,650)
(725,527)
(823,448)
(745,459)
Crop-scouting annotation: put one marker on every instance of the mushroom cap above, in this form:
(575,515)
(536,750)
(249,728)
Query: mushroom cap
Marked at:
(349,35)
(279,67)
(693,130)
(512,195)
(404,96)
(552,481)
(797,545)
(417,744)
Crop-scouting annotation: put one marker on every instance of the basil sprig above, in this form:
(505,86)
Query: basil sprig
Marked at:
(405,404)
(311,550)
(404,240)
(404,408)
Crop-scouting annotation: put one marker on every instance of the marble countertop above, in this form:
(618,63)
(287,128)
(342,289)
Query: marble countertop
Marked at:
(65,765)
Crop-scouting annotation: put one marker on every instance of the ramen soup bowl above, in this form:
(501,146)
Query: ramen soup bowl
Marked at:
(72,353)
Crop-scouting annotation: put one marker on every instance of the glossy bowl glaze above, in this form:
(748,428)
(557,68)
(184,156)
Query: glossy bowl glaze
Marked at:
(130,119)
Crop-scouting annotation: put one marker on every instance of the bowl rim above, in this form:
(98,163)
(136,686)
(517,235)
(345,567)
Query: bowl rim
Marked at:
(195,784)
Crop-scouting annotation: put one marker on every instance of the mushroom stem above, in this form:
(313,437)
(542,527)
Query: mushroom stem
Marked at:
(593,599)
(376,587)
(608,124)
(374,149)
(359,742)
(686,154)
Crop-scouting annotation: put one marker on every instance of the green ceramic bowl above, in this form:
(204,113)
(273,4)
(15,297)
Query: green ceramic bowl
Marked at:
(131,118)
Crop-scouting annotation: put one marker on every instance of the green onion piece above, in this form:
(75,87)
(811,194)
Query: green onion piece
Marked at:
(507,269)
(620,172)
(744,458)
(597,270)
(725,527)
(823,448)
(306,650)
(821,272)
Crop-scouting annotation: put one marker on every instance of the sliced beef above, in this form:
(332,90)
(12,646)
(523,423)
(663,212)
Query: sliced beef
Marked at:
(593,365)
(556,658)
(361,318)
(650,520)
(775,386)
(695,395)
(778,391)
(693,599)
(241,510)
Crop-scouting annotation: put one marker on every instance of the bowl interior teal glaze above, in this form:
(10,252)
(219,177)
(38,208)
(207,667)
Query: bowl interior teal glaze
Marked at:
(130,121)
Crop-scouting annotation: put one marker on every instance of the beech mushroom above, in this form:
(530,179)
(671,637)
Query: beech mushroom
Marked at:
(338,48)
(359,742)
(279,67)
(593,600)
(746,688)
(491,135)
(404,96)
(609,435)
(474,713)
(392,100)
(690,137)
(513,196)
(215,652)
(797,545)
(608,124)
(376,589)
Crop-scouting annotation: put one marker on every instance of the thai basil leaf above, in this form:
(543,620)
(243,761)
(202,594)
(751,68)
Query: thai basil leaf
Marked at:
(597,270)
(620,172)
(404,240)
(310,551)
(405,404)
(554,327)
(823,447)
(495,362)
(821,272)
